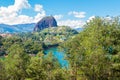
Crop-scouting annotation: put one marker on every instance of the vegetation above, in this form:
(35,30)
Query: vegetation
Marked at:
(23,58)
(20,66)
(93,54)
(51,36)
(36,42)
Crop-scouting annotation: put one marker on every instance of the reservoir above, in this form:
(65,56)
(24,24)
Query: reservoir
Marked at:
(60,55)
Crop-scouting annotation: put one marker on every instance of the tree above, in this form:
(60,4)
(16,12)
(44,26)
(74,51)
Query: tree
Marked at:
(0,41)
(93,48)
(35,70)
(59,74)
(32,47)
(16,63)
(2,52)
(8,41)
(44,67)
(50,63)
(2,70)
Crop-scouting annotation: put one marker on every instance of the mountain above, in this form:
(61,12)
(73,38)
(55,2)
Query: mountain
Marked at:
(48,21)
(6,28)
(78,29)
(25,27)
(16,28)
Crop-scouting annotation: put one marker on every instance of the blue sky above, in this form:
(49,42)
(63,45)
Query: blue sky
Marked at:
(67,12)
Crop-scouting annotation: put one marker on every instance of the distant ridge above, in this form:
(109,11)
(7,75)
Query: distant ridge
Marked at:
(4,28)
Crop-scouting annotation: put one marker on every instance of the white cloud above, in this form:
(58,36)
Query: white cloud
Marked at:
(41,12)
(77,14)
(38,17)
(57,17)
(19,4)
(38,8)
(90,18)
(11,14)
(24,18)
(108,18)
(71,23)
(19,19)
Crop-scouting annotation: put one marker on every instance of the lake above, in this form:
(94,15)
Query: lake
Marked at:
(59,55)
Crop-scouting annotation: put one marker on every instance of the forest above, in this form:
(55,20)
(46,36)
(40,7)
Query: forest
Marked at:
(93,53)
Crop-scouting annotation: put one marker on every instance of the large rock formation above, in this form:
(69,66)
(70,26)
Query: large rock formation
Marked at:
(45,22)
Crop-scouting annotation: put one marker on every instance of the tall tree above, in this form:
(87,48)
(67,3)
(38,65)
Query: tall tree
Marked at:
(99,40)
(2,70)
(35,70)
(16,63)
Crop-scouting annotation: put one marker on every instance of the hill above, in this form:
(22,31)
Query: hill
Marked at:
(51,35)
(4,28)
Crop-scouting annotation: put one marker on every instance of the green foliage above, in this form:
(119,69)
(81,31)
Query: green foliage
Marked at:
(37,41)
(92,52)
(96,67)
(60,74)
(0,41)
(20,66)
(16,63)
(44,68)
(51,36)
(2,70)
(1,46)
(35,70)
(50,63)
(32,47)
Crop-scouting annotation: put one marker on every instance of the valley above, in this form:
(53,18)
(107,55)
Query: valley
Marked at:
(59,40)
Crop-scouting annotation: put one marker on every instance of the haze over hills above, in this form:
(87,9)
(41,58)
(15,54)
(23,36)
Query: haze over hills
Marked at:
(45,22)
(4,28)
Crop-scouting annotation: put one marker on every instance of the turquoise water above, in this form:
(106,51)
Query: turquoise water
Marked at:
(59,55)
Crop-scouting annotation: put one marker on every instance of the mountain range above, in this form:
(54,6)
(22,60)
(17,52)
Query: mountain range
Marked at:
(45,22)
(4,28)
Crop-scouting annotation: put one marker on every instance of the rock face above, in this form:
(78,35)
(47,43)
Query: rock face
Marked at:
(45,22)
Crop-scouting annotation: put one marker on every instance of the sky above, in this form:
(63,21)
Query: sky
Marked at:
(72,13)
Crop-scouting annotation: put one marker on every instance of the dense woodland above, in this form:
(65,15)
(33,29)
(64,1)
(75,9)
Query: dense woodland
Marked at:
(93,54)
(37,41)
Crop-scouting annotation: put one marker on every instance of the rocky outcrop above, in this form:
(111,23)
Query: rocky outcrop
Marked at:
(45,22)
